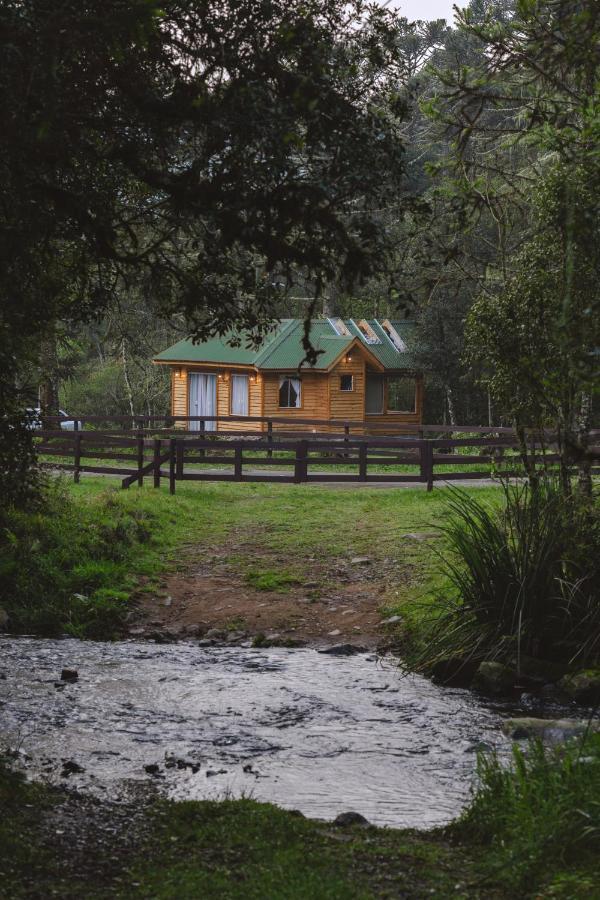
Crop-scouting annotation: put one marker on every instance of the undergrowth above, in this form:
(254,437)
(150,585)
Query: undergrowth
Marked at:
(539,818)
(523,579)
(64,565)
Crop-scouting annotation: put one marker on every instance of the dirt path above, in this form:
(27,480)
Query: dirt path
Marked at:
(243,590)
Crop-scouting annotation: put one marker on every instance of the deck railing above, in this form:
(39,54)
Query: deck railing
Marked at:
(293,457)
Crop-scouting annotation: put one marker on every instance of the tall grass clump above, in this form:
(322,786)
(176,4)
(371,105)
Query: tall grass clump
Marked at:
(64,566)
(523,578)
(539,816)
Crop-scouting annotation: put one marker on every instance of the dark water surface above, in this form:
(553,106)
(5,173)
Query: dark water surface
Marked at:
(295,727)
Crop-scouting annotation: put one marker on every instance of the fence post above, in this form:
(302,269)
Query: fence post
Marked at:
(237,467)
(179,455)
(426,462)
(270,439)
(157,443)
(77,460)
(301,463)
(202,452)
(362,461)
(140,459)
(172,452)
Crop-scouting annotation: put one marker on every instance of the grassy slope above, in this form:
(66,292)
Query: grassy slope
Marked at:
(74,567)
(234,849)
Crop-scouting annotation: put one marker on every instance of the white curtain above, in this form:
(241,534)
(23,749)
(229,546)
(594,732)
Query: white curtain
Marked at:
(203,400)
(239,395)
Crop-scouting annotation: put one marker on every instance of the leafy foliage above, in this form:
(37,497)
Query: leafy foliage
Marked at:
(186,150)
(540,814)
(524,579)
(62,565)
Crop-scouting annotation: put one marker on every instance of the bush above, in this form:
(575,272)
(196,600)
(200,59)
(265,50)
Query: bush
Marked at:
(523,579)
(539,815)
(63,565)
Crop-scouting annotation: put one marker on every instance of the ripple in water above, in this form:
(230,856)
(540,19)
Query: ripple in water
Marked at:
(297,728)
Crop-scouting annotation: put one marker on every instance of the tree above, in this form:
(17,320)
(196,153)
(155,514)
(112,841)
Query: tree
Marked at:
(176,145)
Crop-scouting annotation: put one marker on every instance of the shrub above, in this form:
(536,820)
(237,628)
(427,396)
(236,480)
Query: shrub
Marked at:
(522,579)
(63,566)
(538,815)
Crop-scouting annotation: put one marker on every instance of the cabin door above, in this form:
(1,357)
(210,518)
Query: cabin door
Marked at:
(203,400)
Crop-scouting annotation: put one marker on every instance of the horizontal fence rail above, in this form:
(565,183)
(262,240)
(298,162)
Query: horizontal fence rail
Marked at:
(263,424)
(290,458)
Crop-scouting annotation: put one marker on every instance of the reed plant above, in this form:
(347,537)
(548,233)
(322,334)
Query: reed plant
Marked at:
(520,579)
(539,816)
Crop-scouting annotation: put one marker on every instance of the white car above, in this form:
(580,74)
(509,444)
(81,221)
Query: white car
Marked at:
(34,420)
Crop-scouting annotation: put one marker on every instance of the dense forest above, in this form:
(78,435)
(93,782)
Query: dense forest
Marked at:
(491,183)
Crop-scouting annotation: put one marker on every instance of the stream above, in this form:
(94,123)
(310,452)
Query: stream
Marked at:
(298,728)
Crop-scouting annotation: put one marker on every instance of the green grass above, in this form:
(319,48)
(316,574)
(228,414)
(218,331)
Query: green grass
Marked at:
(539,820)
(532,831)
(233,849)
(242,850)
(72,566)
(271,581)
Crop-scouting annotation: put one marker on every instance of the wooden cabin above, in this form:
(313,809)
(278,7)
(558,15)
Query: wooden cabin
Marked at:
(364,372)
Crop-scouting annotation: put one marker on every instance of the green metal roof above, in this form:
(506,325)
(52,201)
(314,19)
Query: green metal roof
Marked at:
(282,349)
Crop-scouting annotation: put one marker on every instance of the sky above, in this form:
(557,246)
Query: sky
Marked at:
(425,9)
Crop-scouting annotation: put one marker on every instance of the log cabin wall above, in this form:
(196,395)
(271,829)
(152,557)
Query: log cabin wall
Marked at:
(255,392)
(179,393)
(348,405)
(314,397)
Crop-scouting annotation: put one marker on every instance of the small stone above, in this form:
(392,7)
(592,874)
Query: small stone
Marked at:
(70,767)
(334,633)
(235,636)
(152,769)
(343,650)
(494,678)
(69,675)
(163,637)
(349,818)
(215,634)
(360,561)
(310,585)
(206,642)
(583,687)
(167,601)
(391,620)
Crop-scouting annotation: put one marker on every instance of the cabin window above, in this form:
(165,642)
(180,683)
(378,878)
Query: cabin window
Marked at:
(239,395)
(374,395)
(289,393)
(401,394)
(346,382)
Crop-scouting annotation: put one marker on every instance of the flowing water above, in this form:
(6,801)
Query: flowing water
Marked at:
(295,727)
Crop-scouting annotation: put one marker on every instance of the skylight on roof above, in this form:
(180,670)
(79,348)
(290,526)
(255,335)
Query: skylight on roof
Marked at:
(368,333)
(393,336)
(339,326)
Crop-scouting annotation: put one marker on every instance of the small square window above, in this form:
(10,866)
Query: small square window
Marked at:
(346,382)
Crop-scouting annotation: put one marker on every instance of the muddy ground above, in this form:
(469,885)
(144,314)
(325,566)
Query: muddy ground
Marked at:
(329,600)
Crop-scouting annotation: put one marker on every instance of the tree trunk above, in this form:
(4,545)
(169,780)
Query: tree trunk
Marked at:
(48,385)
(127,382)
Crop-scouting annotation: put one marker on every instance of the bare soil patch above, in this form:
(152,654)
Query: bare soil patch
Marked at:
(325,601)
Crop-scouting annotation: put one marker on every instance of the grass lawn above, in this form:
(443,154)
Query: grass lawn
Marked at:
(65,845)
(73,565)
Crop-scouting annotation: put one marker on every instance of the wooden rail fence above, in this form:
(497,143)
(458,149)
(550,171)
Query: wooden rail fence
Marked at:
(290,458)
